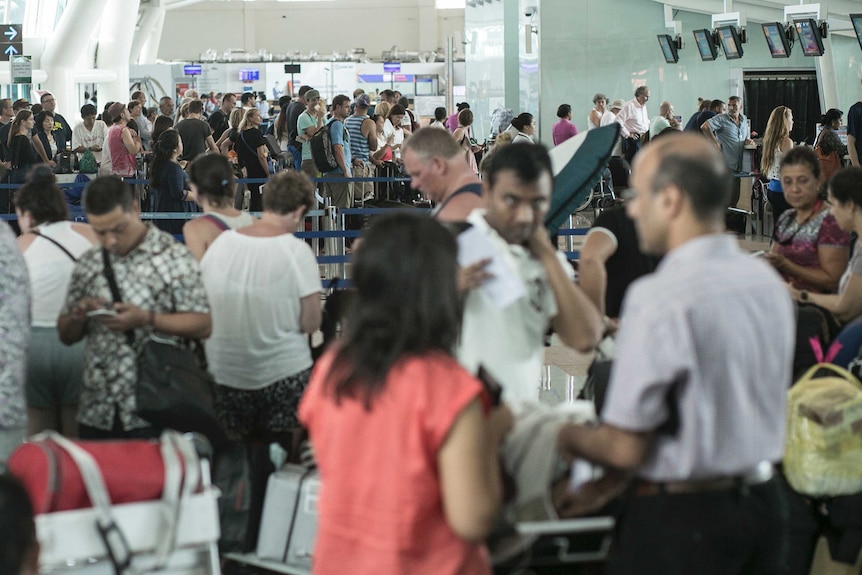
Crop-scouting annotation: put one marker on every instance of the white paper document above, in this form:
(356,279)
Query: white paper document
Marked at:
(504,287)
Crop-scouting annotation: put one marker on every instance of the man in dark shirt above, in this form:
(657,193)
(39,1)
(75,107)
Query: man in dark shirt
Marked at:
(219,120)
(196,134)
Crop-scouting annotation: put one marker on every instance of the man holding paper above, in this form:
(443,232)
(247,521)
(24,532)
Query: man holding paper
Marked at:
(530,285)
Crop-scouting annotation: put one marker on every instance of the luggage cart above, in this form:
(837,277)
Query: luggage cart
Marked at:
(71,543)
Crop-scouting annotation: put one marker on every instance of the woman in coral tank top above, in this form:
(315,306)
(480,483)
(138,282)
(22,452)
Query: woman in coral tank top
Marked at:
(404,438)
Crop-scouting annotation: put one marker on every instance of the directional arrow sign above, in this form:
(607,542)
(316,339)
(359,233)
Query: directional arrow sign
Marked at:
(10,41)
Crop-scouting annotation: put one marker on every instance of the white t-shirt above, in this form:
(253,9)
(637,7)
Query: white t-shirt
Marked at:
(50,270)
(509,342)
(254,287)
(89,138)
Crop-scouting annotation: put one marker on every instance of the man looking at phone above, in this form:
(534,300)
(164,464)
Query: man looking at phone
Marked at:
(160,291)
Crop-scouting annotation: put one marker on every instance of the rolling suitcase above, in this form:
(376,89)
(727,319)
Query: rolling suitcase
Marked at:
(174,531)
(289,523)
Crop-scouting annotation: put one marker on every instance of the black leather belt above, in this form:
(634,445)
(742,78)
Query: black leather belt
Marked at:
(762,473)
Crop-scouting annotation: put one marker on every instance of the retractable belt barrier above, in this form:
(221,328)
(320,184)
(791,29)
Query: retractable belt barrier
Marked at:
(335,256)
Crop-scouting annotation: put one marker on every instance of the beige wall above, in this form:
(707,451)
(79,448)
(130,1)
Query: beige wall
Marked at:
(283,27)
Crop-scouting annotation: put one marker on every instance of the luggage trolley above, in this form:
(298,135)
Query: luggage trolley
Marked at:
(71,542)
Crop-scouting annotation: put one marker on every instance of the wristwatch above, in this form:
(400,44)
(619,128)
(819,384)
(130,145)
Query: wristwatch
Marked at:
(803,295)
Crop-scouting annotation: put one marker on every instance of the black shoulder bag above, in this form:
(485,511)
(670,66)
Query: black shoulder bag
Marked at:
(173,391)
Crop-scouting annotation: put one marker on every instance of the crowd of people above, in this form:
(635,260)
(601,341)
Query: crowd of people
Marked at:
(410,409)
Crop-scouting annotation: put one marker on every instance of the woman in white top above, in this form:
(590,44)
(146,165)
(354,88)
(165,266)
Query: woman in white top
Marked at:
(50,245)
(526,127)
(264,287)
(776,143)
(213,187)
(600,116)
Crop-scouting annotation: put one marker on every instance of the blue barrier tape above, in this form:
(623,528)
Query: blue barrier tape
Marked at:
(239,181)
(572,255)
(375,211)
(333,259)
(573,232)
(329,234)
(339,283)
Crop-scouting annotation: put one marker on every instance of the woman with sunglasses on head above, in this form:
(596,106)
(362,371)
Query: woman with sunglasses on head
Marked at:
(808,249)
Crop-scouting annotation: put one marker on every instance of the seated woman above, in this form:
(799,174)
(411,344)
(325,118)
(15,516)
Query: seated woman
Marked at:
(845,199)
(402,434)
(809,249)
(213,187)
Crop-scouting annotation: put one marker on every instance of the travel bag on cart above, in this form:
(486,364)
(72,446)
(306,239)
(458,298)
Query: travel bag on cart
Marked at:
(289,524)
(169,523)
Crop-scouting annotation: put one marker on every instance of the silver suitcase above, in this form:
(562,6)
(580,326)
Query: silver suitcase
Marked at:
(289,522)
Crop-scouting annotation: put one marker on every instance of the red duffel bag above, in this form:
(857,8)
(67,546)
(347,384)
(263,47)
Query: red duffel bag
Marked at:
(133,470)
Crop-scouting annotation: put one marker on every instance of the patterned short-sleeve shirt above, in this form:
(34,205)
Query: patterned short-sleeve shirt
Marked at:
(160,275)
(799,243)
(14,330)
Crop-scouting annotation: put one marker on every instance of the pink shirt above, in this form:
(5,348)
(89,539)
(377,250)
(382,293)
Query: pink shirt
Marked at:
(563,130)
(381,509)
(122,162)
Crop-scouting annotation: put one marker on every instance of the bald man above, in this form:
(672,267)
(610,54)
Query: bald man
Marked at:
(438,168)
(696,406)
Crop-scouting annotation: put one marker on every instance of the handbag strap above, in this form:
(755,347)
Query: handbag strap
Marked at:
(115,542)
(56,243)
(115,289)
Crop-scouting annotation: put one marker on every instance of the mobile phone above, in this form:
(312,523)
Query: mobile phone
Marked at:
(101,312)
(491,385)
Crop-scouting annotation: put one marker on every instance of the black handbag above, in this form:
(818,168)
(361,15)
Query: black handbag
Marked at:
(174,389)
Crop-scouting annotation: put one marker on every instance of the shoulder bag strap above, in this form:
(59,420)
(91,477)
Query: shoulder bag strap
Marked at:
(115,290)
(218,222)
(56,243)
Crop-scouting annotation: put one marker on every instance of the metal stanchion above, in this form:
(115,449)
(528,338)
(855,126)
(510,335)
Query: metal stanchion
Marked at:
(330,222)
(570,240)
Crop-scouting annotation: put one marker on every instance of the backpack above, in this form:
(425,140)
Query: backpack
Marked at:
(823,453)
(321,149)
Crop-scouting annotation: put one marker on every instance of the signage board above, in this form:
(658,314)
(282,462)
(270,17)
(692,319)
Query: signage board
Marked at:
(11,41)
(22,69)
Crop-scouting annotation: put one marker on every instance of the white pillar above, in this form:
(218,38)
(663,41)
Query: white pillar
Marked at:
(826,78)
(65,48)
(145,48)
(115,47)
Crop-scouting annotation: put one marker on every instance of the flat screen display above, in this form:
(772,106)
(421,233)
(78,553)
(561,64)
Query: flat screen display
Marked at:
(809,37)
(857,26)
(705,44)
(192,70)
(249,75)
(730,42)
(776,39)
(668,48)
(292,68)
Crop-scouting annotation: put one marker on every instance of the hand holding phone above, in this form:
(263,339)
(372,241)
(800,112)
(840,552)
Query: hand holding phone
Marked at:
(105,312)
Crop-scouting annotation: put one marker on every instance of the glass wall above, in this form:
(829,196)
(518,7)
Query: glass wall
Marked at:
(610,46)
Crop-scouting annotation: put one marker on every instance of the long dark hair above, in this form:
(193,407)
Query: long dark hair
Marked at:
(41,196)
(406,303)
(21,117)
(213,178)
(168,142)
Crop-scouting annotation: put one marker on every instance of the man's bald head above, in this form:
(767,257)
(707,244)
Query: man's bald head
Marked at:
(694,166)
